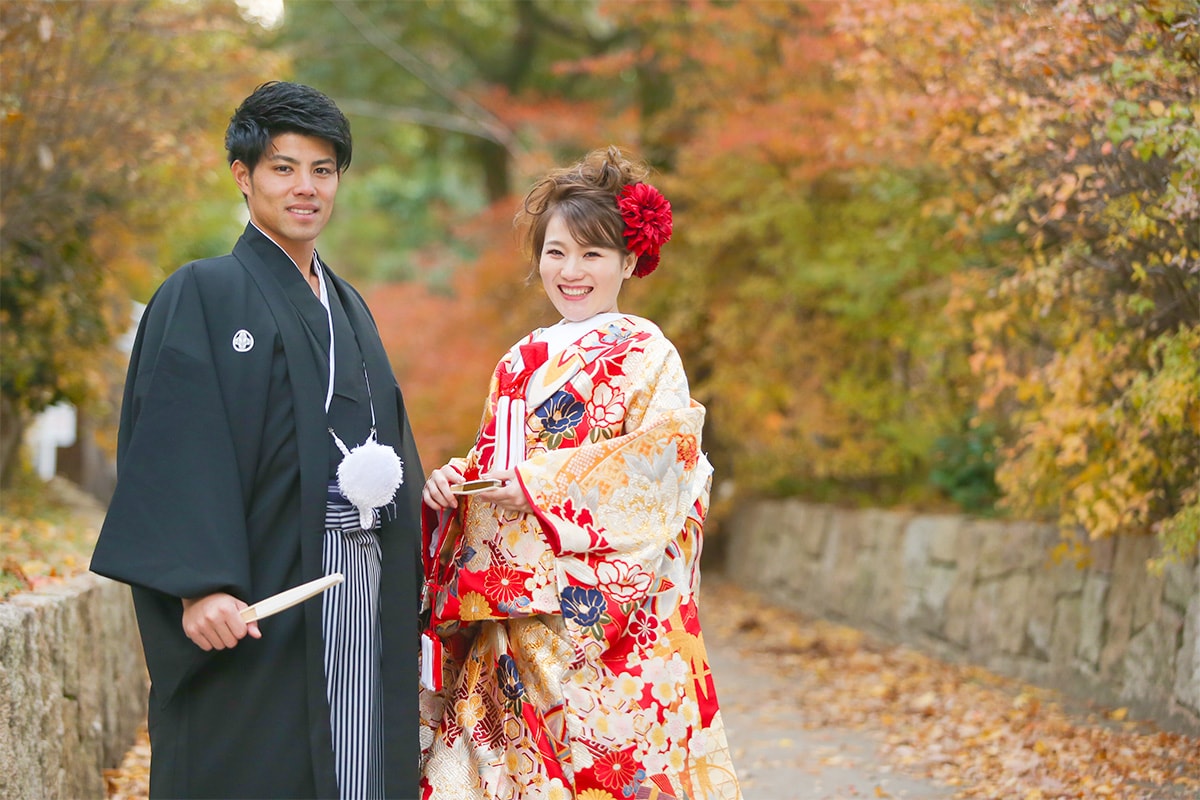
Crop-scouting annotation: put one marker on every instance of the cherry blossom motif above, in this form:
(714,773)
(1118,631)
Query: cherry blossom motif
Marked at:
(606,408)
(622,581)
(643,627)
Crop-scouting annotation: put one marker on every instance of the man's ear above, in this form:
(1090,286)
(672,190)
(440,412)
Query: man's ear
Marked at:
(241,176)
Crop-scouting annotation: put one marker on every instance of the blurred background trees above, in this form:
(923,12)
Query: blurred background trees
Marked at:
(929,253)
(110,122)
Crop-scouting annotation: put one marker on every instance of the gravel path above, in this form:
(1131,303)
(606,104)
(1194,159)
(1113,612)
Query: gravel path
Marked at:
(776,757)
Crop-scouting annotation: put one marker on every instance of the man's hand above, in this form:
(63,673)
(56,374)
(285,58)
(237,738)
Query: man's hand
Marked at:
(213,622)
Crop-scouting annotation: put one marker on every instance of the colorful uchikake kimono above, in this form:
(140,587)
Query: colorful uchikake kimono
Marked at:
(572,662)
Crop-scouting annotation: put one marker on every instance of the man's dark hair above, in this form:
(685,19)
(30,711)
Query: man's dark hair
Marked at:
(278,107)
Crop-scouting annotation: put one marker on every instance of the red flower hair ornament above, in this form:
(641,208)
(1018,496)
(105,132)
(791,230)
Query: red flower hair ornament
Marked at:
(647,216)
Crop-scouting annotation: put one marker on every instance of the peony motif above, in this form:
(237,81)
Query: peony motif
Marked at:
(647,216)
(687,450)
(623,582)
(606,407)
(582,606)
(561,413)
(510,679)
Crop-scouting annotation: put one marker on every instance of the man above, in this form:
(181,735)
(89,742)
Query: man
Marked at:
(249,374)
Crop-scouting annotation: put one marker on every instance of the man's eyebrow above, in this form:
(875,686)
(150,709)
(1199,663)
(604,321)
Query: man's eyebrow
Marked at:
(281,157)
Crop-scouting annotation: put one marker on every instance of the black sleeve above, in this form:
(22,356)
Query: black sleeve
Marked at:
(176,523)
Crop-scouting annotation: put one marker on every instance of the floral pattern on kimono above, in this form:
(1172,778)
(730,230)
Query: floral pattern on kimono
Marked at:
(574,664)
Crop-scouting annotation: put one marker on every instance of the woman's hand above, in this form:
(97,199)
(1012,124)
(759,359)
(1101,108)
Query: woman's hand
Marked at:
(437,493)
(510,496)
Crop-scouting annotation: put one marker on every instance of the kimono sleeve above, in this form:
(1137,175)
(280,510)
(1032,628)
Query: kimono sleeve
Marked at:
(176,523)
(630,495)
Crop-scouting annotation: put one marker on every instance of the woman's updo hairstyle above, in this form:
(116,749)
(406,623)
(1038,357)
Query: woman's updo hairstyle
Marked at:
(586,196)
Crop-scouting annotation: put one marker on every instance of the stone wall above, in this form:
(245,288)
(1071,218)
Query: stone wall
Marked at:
(72,688)
(987,593)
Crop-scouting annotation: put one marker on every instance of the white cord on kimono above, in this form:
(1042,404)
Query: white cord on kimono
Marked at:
(510,432)
(369,475)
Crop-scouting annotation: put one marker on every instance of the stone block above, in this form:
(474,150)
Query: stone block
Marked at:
(1091,619)
(917,543)
(1065,637)
(750,546)
(934,594)
(1101,553)
(1010,547)
(960,599)
(1187,667)
(810,528)
(938,534)
(1182,583)
(72,688)
(1148,670)
(888,592)
(999,616)
(1132,602)
(1134,554)
(839,562)
(1039,610)
(1066,576)
(969,548)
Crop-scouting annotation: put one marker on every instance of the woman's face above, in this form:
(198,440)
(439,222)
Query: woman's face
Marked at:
(581,280)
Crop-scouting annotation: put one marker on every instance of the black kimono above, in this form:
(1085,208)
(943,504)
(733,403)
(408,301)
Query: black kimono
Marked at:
(223,461)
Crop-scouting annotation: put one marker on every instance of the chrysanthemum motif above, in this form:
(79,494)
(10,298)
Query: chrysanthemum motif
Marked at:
(615,769)
(503,583)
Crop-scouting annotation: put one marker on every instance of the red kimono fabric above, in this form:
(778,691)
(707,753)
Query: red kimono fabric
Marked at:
(573,661)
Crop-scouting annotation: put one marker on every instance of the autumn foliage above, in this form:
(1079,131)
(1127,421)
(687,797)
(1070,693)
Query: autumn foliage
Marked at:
(106,138)
(1067,134)
(937,253)
(908,229)
(934,253)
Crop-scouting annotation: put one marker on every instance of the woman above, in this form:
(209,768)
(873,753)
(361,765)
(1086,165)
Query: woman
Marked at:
(563,602)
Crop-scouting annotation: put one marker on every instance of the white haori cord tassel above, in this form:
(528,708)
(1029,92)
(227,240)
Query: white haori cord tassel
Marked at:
(510,432)
(368,476)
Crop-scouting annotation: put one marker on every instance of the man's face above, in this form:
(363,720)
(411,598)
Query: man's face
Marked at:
(290,193)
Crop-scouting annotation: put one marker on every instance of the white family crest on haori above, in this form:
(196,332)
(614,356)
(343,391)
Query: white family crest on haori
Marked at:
(243,341)
(368,476)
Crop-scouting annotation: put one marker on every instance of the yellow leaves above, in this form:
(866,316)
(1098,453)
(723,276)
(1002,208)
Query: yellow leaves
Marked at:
(45,534)
(131,780)
(989,737)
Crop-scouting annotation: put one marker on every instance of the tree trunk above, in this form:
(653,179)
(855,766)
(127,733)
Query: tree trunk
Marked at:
(12,435)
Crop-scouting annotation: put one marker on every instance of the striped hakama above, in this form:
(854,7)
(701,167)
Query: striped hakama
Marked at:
(350,619)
